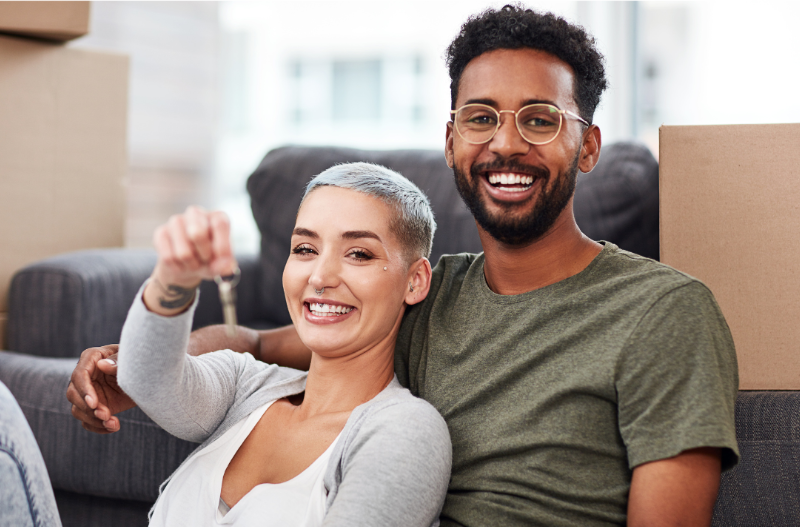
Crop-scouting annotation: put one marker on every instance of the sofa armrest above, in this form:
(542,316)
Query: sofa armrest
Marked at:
(62,305)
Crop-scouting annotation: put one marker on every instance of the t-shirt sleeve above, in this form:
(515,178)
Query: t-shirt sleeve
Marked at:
(396,471)
(677,379)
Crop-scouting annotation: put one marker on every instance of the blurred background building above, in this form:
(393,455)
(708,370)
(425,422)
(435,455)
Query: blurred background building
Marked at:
(214,86)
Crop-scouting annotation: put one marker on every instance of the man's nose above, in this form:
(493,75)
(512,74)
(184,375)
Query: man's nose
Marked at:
(507,141)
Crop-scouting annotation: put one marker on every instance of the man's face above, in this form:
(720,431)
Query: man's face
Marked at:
(516,213)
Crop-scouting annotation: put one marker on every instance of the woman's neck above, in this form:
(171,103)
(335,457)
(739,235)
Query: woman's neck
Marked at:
(341,384)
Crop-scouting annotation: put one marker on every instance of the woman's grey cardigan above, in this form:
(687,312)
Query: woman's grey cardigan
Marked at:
(390,466)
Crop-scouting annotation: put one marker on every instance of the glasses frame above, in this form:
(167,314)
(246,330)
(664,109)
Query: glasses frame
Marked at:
(562,114)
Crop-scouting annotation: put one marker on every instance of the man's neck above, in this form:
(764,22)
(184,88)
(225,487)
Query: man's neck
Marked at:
(562,252)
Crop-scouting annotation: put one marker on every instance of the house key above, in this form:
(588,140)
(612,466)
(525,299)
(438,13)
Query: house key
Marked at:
(227,295)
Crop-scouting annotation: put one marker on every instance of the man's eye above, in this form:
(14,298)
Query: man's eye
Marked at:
(539,121)
(482,119)
(360,255)
(303,249)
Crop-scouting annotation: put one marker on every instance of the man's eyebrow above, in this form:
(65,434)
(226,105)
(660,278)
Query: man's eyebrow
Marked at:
(487,102)
(355,235)
(493,103)
(301,231)
(540,101)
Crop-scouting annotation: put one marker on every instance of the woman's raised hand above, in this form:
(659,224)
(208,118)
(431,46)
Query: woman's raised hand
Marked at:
(192,247)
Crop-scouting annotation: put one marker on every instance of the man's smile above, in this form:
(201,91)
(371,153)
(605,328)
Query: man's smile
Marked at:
(510,184)
(510,181)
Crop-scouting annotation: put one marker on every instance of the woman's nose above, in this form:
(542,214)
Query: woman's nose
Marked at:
(325,272)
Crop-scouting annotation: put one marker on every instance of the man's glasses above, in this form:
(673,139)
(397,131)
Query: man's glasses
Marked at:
(538,124)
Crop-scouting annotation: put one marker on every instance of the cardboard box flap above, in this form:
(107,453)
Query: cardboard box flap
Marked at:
(59,21)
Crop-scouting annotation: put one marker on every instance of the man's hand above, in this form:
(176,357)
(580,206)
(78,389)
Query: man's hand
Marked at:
(94,393)
(96,397)
(680,490)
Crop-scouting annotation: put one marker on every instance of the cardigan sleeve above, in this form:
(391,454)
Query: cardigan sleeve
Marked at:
(187,396)
(396,470)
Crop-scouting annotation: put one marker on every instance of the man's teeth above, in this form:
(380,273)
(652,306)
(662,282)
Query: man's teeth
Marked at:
(328,310)
(511,179)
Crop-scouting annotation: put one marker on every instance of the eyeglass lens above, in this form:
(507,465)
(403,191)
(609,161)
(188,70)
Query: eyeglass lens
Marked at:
(538,123)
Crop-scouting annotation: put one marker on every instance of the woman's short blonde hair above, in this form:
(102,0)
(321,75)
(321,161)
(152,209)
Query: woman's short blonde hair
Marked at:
(413,225)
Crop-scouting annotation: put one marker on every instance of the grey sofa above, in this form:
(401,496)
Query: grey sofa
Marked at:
(60,306)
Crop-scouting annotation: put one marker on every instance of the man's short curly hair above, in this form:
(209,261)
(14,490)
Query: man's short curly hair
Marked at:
(514,27)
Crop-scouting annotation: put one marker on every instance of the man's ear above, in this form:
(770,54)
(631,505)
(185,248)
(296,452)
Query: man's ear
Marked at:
(590,149)
(419,281)
(448,145)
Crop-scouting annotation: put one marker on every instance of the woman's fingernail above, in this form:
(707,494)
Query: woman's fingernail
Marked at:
(89,400)
(110,361)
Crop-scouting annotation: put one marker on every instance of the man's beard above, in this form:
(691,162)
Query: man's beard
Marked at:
(507,228)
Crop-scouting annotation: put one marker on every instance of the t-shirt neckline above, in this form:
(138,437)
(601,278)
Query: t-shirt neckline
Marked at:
(555,288)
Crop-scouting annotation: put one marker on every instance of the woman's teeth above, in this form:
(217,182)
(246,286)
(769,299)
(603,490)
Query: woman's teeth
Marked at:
(328,310)
(512,179)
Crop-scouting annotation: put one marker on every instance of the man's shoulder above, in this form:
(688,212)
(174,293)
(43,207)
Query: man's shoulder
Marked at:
(629,272)
(449,275)
(454,264)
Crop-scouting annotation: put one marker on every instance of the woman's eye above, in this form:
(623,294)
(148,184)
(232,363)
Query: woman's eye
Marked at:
(360,255)
(303,249)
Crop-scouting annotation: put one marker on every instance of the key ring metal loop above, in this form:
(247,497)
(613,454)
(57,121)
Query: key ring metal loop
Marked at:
(231,279)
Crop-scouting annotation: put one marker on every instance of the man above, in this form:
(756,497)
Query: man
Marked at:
(582,385)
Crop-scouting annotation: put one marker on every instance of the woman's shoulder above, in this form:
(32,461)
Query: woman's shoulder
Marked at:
(395,413)
(395,454)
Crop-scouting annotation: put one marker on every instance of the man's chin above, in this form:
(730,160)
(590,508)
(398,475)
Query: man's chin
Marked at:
(516,223)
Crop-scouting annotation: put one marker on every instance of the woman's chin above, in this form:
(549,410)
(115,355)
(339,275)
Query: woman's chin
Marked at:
(325,341)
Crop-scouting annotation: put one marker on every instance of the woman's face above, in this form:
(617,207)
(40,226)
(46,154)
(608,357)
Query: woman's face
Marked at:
(342,242)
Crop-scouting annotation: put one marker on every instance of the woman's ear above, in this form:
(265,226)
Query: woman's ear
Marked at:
(419,281)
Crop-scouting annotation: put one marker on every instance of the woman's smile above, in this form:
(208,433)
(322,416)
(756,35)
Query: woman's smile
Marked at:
(318,311)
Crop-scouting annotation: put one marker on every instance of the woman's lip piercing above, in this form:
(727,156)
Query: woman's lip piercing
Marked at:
(319,291)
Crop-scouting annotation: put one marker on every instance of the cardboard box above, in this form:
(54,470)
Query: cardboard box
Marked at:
(730,216)
(59,21)
(63,121)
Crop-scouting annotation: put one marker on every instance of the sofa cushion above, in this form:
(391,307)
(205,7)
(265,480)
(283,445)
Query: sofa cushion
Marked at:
(129,464)
(617,201)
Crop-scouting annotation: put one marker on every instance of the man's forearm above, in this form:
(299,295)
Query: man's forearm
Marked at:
(281,346)
(213,338)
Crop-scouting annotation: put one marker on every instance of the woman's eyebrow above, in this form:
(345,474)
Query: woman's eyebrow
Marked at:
(355,235)
(301,231)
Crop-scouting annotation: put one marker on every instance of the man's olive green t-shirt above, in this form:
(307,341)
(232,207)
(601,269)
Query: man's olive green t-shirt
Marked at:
(553,396)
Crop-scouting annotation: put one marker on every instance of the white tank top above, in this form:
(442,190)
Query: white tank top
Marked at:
(192,497)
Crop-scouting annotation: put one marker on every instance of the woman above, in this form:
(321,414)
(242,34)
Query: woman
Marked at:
(344,444)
